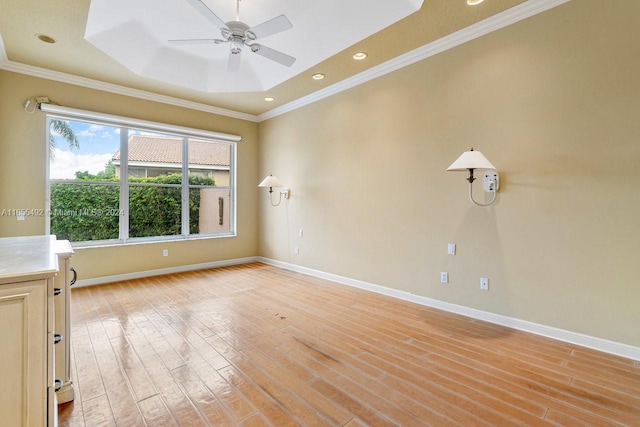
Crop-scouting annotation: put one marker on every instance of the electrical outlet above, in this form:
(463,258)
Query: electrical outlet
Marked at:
(484,284)
(300,233)
(165,252)
(444,277)
(297,250)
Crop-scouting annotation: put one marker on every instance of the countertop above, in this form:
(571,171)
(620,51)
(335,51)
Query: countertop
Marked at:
(28,258)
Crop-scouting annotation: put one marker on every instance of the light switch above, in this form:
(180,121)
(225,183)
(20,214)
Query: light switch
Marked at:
(451,249)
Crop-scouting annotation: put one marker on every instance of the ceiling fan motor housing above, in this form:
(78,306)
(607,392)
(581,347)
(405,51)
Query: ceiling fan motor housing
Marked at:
(239,34)
(236,33)
(236,28)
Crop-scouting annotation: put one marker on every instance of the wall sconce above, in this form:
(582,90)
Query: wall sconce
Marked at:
(271,181)
(471,160)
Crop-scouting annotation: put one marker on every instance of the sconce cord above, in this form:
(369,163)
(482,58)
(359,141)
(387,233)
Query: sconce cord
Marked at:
(279,200)
(271,199)
(480,204)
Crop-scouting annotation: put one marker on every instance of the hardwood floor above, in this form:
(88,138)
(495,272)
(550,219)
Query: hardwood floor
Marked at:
(254,345)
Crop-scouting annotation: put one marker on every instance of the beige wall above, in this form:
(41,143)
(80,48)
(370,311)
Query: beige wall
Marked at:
(23,157)
(553,102)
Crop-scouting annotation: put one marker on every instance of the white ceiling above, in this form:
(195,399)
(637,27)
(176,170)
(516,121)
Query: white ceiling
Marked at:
(136,34)
(139,30)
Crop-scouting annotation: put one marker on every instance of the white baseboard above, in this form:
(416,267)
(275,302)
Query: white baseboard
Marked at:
(612,347)
(169,270)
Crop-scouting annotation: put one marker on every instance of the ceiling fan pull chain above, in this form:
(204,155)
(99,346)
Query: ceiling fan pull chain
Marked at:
(237,10)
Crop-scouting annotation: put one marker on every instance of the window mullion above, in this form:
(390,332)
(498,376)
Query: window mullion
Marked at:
(124,184)
(185,186)
(232,189)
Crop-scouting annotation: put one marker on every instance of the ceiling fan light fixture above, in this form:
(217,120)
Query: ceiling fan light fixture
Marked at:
(236,46)
(359,56)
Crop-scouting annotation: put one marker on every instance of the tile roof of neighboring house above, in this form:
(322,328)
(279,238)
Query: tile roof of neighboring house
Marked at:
(164,149)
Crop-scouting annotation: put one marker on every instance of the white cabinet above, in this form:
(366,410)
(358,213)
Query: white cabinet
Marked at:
(25,353)
(62,302)
(28,266)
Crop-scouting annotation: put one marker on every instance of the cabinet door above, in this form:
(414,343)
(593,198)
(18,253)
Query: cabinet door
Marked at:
(63,327)
(23,359)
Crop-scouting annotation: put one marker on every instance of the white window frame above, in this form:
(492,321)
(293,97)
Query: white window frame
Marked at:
(65,113)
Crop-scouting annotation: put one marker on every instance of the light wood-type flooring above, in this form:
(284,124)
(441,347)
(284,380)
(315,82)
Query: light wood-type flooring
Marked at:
(255,345)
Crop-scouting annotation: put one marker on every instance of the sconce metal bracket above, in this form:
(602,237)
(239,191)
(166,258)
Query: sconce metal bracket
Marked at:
(491,182)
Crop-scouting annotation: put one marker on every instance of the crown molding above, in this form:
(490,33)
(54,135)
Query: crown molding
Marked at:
(510,16)
(503,19)
(16,67)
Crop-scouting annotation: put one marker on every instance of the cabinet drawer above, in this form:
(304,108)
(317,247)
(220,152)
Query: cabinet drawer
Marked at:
(51,369)
(50,305)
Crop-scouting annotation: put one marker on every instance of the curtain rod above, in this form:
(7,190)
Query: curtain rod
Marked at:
(74,113)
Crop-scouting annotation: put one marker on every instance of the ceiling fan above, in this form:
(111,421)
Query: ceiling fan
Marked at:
(239,34)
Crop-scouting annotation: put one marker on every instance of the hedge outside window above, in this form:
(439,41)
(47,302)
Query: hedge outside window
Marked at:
(117,184)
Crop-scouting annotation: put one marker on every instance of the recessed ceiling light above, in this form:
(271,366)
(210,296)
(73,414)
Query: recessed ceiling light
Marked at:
(318,76)
(359,56)
(269,99)
(45,39)
(474,2)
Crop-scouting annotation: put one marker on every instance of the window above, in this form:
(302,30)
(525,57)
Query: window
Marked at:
(122,183)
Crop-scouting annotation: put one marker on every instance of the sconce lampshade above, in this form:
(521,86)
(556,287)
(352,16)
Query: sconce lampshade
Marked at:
(471,160)
(270,181)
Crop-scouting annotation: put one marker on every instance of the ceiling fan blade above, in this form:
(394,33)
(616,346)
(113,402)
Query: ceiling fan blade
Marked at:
(196,41)
(207,13)
(233,64)
(272,26)
(272,54)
